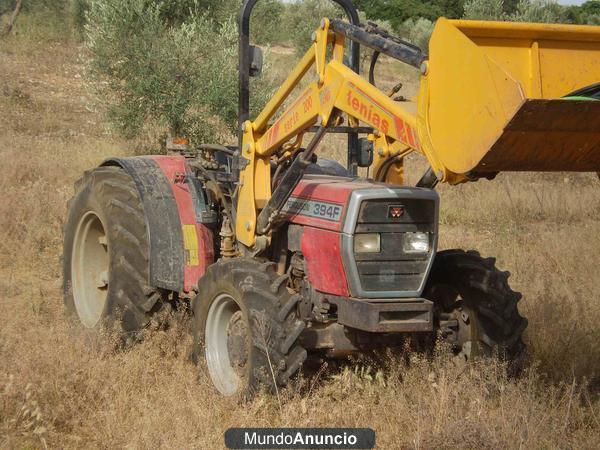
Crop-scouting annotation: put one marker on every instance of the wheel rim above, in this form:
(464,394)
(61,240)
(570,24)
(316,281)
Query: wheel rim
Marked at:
(458,323)
(463,336)
(90,269)
(226,337)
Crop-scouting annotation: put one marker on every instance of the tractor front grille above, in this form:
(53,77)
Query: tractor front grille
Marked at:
(392,272)
(392,269)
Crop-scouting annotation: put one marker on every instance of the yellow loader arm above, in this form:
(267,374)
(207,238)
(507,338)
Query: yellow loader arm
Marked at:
(489,100)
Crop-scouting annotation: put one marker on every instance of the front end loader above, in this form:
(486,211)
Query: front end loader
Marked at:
(284,255)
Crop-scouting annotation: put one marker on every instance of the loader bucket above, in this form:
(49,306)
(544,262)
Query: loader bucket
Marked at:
(495,97)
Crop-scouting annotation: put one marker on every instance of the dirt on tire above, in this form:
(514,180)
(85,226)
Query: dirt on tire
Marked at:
(467,287)
(110,193)
(268,308)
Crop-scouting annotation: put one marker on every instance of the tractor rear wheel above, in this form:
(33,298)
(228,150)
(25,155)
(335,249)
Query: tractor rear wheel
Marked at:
(245,325)
(105,261)
(475,308)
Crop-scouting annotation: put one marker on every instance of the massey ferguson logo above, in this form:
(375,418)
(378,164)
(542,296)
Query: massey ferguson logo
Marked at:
(395,211)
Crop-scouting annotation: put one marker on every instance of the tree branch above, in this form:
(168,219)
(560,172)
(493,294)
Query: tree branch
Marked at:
(13,17)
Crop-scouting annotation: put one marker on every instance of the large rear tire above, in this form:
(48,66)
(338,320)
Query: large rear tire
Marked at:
(105,261)
(246,328)
(475,308)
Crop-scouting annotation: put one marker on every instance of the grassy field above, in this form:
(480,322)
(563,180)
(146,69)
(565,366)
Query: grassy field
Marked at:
(59,391)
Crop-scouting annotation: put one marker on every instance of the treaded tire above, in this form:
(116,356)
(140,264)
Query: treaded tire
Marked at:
(267,308)
(475,307)
(110,194)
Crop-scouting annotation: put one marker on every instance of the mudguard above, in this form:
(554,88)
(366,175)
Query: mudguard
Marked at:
(181,246)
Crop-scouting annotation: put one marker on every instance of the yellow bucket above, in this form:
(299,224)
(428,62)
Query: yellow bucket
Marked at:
(491,99)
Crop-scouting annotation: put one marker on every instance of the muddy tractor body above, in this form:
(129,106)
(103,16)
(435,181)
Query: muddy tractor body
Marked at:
(284,255)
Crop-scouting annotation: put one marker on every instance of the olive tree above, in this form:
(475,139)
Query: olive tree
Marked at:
(158,68)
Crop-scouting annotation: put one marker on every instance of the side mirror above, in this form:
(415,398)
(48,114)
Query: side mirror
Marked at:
(364,153)
(256,61)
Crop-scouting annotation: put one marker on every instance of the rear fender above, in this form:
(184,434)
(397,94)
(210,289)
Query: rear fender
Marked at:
(181,247)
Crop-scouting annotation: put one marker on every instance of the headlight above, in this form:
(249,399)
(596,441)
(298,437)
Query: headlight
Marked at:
(367,243)
(416,243)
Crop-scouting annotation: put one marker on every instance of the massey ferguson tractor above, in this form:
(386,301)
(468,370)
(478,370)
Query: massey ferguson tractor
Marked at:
(283,255)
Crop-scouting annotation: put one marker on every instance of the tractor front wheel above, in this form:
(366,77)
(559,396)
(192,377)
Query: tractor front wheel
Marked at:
(245,326)
(475,308)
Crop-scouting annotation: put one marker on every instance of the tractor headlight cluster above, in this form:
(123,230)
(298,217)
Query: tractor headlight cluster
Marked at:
(416,242)
(367,243)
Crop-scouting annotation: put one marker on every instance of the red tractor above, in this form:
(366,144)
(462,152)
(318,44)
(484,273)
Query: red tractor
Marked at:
(282,255)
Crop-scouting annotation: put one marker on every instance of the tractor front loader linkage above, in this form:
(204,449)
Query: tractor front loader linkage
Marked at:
(338,89)
(473,116)
(284,256)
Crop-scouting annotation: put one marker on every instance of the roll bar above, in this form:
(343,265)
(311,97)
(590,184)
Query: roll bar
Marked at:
(244,70)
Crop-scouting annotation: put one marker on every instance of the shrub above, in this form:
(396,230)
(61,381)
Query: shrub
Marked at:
(153,71)
(6,6)
(301,19)
(78,11)
(593,19)
(590,12)
(34,5)
(266,26)
(418,31)
(485,10)
(266,17)
(543,11)
(40,21)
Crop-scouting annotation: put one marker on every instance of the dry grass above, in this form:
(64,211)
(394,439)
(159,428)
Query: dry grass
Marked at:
(59,389)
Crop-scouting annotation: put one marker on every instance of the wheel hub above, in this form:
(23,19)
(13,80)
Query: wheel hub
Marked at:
(464,334)
(237,335)
(456,324)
